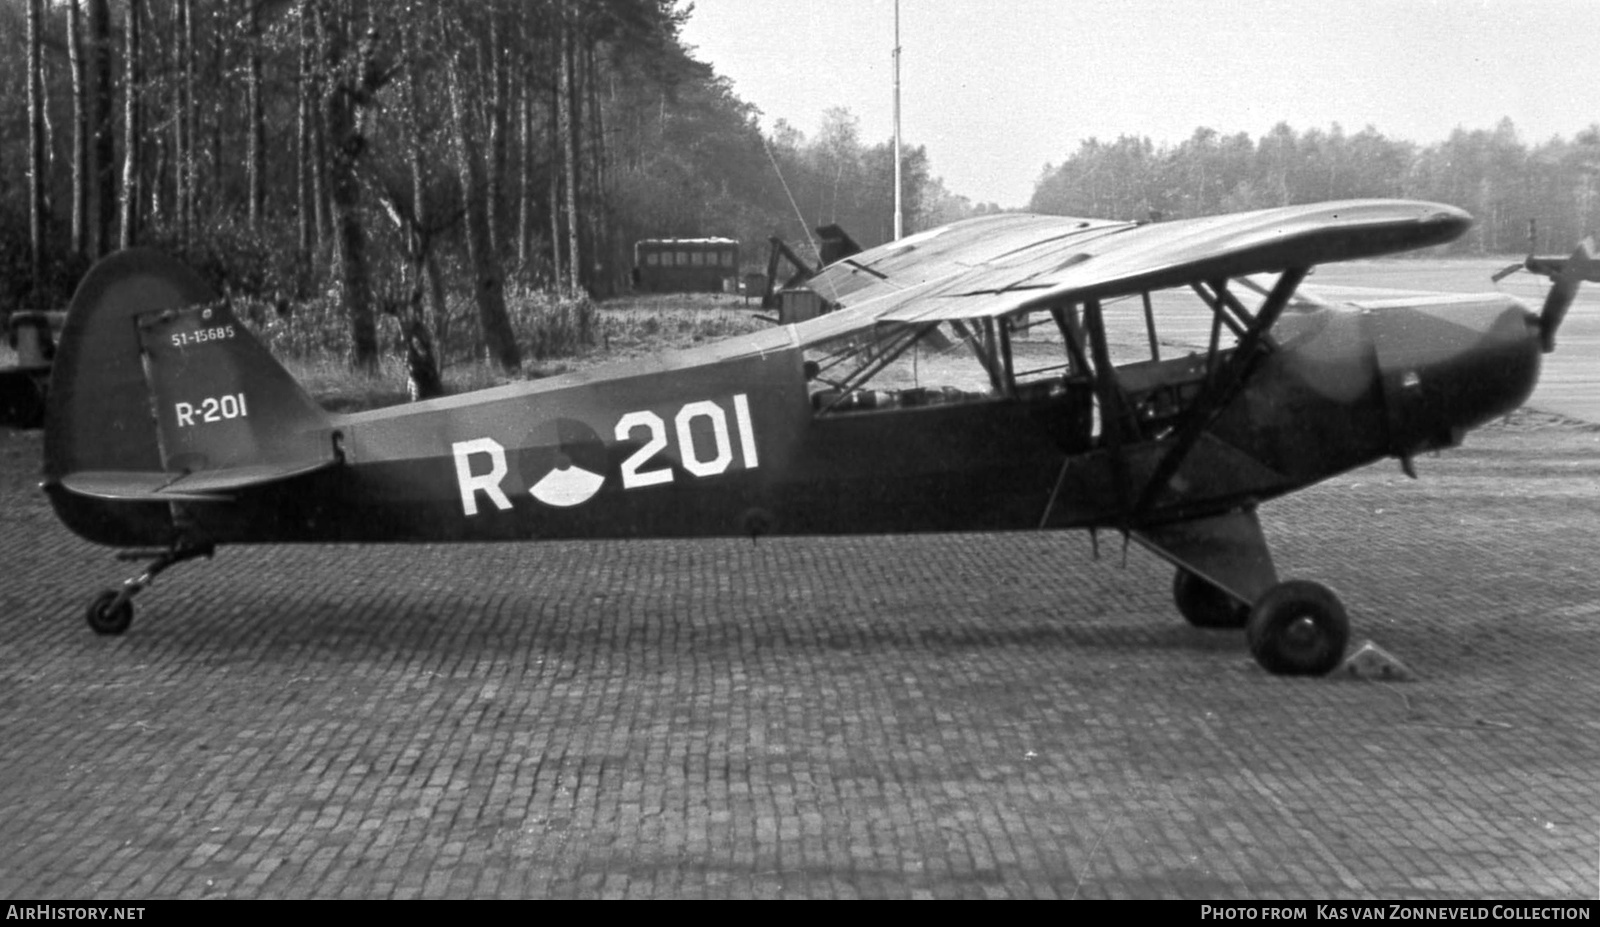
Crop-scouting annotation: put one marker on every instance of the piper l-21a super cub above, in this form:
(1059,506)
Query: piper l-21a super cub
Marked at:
(975,377)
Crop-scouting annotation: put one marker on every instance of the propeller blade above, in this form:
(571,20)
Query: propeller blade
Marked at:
(1563,289)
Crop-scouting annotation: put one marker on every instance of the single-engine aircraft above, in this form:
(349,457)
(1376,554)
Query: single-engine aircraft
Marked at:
(976,377)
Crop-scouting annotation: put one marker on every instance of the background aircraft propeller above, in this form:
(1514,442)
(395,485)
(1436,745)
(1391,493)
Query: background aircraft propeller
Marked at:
(1564,287)
(1566,274)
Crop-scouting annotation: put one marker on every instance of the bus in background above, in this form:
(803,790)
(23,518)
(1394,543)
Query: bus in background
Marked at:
(686,265)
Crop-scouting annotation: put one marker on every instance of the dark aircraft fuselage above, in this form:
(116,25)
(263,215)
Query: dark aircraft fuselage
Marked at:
(726,441)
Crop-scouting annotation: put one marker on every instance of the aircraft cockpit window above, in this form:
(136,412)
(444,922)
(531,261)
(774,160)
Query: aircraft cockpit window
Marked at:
(1142,360)
(903,367)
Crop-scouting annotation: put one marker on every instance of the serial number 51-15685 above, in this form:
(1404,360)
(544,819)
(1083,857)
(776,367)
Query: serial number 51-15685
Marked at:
(202,335)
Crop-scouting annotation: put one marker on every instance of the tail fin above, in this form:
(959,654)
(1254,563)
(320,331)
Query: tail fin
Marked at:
(155,380)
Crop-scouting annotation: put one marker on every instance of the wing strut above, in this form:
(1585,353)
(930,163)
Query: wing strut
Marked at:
(1230,380)
(983,348)
(1067,318)
(1114,412)
(890,353)
(1220,306)
(1150,326)
(1225,297)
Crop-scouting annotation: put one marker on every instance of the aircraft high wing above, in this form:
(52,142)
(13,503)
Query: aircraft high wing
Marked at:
(1004,373)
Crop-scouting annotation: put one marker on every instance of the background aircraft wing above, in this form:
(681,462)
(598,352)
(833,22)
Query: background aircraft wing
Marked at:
(997,265)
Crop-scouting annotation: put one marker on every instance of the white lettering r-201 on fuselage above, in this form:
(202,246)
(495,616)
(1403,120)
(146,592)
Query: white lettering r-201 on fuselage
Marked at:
(699,458)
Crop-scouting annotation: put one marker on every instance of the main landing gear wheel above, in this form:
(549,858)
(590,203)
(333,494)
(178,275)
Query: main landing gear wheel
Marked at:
(1298,628)
(1205,605)
(109,616)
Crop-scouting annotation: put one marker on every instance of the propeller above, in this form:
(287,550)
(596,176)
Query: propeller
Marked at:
(1565,278)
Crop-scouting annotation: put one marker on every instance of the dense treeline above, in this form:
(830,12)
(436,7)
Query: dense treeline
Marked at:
(456,175)
(455,178)
(1490,173)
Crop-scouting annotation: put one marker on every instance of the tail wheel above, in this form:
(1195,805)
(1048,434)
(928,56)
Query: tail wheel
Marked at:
(107,616)
(1298,628)
(1204,604)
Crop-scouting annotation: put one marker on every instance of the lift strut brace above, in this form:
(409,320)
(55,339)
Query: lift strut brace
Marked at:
(1230,380)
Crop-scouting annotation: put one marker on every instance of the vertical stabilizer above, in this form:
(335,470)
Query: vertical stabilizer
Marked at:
(154,376)
(98,413)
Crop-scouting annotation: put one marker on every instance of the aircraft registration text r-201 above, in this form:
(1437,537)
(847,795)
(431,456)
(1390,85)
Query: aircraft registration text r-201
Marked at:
(211,409)
(707,441)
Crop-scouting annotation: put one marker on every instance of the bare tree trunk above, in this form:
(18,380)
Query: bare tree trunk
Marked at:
(305,122)
(191,132)
(422,364)
(35,147)
(183,120)
(132,116)
(156,181)
(50,146)
(80,130)
(495,163)
(488,286)
(555,189)
(569,137)
(255,134)
(219,105)
(600,201)
(524,170)
(522,73)
(321,208)
(426,229)
(103,127)
(338,113)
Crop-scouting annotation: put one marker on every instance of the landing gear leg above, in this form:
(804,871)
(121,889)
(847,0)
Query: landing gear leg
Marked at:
(1205,605)
(111,611)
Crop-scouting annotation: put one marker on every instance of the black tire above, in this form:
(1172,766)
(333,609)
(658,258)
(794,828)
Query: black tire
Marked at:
(1204,604)
(1298,628)
(107,620)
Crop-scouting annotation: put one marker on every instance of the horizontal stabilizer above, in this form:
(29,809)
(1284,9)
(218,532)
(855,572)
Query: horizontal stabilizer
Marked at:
(204,486)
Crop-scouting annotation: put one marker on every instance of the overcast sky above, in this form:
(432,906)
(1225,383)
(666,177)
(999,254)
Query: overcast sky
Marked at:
(998,88)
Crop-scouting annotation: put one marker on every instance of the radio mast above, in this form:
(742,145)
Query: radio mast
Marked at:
(898,227)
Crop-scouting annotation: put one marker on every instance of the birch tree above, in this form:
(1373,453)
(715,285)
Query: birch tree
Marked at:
(132,128)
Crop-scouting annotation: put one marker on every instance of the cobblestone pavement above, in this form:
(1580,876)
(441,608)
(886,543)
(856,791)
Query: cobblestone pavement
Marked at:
(973,716)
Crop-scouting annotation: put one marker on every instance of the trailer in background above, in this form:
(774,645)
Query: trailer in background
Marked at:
(686,265)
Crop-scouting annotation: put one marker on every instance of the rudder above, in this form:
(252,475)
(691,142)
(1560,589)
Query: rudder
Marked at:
(220,399)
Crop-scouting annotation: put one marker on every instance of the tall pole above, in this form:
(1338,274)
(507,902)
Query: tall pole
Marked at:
(898,227)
